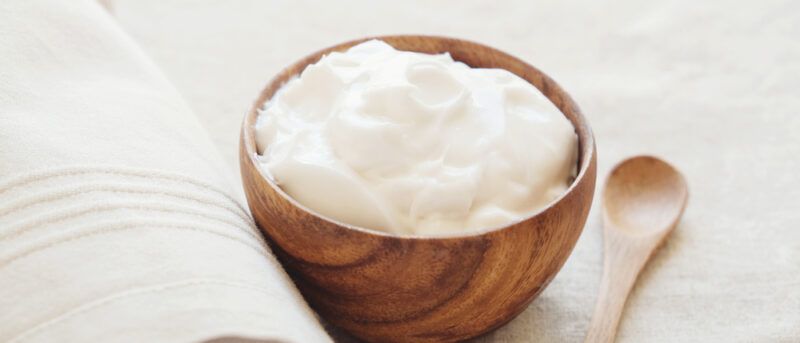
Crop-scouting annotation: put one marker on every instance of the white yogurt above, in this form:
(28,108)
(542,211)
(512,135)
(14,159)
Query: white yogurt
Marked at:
(413,143)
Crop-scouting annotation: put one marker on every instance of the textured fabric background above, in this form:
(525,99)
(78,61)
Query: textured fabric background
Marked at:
(711,86)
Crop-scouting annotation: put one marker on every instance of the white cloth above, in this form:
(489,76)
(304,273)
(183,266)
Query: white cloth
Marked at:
(118,220)
(711,86)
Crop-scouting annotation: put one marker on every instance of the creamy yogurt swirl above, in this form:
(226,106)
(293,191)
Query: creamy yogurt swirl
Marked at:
(413,143)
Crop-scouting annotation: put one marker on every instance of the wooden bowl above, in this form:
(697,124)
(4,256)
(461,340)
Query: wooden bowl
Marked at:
(389,288)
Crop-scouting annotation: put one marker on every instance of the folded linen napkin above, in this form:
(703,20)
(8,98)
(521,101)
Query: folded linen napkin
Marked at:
(117,219)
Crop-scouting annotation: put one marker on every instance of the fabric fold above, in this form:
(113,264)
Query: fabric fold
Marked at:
(118,220)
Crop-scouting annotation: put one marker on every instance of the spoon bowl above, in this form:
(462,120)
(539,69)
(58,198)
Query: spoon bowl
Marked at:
(644,195)
(390,288)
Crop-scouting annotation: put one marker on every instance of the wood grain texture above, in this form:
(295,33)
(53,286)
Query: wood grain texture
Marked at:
(387,288)
(643,200)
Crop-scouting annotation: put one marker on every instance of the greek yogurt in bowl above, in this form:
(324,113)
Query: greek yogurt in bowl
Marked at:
(415,144)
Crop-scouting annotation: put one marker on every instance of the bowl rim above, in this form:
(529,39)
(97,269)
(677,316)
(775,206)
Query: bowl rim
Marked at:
(586,148)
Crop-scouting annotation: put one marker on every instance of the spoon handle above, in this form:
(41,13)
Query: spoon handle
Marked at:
(622,262)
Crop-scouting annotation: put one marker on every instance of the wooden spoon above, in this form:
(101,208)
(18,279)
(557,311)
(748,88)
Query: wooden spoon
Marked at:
(644,199)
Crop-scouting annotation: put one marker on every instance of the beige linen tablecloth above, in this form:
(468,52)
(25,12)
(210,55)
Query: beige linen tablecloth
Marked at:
(712,86)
